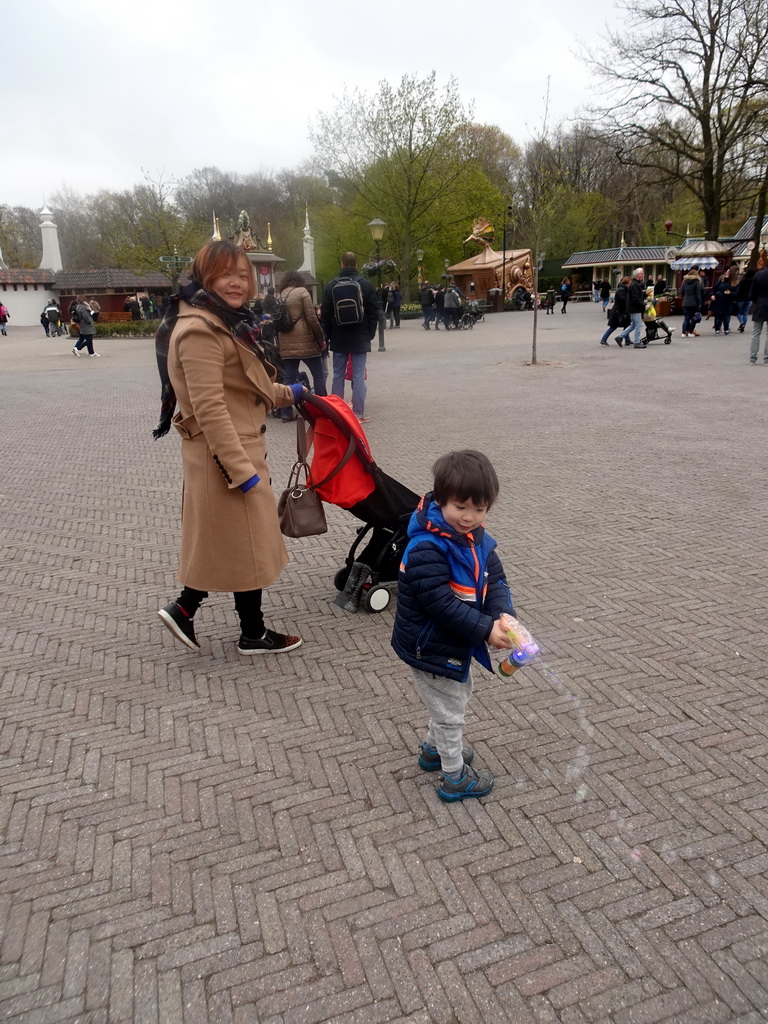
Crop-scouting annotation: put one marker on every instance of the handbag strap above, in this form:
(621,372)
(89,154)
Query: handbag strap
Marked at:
(301,451)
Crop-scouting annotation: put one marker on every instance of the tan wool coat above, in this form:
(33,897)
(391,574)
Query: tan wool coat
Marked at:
(230,540)
(306,338)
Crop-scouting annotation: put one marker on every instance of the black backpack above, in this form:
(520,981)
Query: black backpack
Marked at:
(347,300)
(281,318)
(75,316)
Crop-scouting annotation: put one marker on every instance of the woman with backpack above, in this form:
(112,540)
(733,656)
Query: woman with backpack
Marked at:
(304,340)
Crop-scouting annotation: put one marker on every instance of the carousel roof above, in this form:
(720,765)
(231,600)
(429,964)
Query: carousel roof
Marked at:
(490,259)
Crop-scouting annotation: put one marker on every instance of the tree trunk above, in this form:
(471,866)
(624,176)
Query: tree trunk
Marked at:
(762,196)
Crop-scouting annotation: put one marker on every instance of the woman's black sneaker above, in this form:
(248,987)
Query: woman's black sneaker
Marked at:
(270,643)
(180,624)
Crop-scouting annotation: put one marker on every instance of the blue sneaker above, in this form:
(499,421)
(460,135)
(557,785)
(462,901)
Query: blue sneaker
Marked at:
(429,760)
(471,783)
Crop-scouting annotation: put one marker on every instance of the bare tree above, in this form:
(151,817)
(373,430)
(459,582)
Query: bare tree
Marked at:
(682,77)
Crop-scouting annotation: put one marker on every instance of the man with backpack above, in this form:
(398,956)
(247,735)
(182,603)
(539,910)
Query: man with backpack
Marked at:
(350,316)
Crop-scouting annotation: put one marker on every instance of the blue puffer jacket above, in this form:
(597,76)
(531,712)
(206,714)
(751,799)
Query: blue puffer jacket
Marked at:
(451,589)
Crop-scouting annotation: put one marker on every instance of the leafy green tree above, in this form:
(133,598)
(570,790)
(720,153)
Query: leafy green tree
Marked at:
(398,152)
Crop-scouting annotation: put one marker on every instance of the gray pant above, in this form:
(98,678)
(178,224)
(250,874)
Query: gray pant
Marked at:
(446,701)
(754,348)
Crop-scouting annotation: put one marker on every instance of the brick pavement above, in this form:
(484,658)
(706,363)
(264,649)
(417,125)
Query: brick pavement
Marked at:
(202,839)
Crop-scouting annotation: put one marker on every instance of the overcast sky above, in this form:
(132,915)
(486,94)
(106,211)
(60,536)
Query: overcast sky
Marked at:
(95,89)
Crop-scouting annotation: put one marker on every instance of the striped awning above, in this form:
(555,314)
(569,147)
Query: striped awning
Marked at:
(702,262)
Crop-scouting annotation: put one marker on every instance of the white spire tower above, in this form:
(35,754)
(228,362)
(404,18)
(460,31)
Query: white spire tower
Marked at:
(51,253)
(309,248)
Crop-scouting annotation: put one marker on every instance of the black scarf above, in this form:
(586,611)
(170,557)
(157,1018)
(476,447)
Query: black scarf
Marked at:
(240,321)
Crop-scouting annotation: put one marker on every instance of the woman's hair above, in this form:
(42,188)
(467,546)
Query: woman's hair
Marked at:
(291,279)
(465,476)
(217,258)
(79,298)
(626,280)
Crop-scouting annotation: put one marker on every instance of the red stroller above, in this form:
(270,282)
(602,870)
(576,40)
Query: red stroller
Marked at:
(358,485)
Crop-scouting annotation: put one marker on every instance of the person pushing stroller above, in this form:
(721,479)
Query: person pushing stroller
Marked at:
(451,593)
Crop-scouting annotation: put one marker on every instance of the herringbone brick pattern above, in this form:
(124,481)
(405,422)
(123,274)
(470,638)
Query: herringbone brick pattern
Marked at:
(188,839)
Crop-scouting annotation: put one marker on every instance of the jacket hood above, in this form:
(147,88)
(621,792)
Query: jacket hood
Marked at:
(428,519)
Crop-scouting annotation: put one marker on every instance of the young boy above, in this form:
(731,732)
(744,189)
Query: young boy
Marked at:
(549,301)
(451,592)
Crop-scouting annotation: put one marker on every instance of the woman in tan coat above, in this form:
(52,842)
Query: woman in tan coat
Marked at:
(212,364)
(305,341)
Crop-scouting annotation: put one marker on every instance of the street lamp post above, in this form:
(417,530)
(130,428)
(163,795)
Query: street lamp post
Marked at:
(507,215)
(376,228)
(420,260)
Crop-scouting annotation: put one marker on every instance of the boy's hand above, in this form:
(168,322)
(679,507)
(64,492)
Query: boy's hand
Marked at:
(498,637)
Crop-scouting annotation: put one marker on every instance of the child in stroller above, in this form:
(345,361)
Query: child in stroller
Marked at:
(653,325)
(350,479)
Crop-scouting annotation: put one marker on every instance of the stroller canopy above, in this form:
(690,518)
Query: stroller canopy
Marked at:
(359,485)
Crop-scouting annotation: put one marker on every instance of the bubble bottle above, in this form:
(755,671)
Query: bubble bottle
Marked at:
(524,651)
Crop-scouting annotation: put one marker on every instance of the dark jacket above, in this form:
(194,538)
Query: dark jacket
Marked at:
(722,298)
(692,291)
(636,296)
(745,286)
(758,294)
(451,589)
(426,298)
(605,290)
(350,338)
(617,316)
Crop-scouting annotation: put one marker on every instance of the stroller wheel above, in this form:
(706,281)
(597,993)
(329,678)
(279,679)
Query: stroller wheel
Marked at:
(668,341)
(376,599)
(340,579)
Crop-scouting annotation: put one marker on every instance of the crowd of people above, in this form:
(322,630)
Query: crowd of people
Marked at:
(733,295)
(441,304)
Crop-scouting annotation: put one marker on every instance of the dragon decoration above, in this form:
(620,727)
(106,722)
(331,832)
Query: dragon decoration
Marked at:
(482,232)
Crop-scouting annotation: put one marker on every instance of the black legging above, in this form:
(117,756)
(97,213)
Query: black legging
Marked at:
(565,302)
(85,341)
(247,604)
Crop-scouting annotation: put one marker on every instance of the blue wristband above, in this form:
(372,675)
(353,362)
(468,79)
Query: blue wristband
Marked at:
(250,483)
(298,392)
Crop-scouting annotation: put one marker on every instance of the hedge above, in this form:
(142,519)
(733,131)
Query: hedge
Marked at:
(123,329)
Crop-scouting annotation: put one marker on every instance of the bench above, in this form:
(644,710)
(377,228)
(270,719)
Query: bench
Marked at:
(582,296)
(111,318)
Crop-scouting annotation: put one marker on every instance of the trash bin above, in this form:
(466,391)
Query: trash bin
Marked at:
(496,300)
(662,306)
